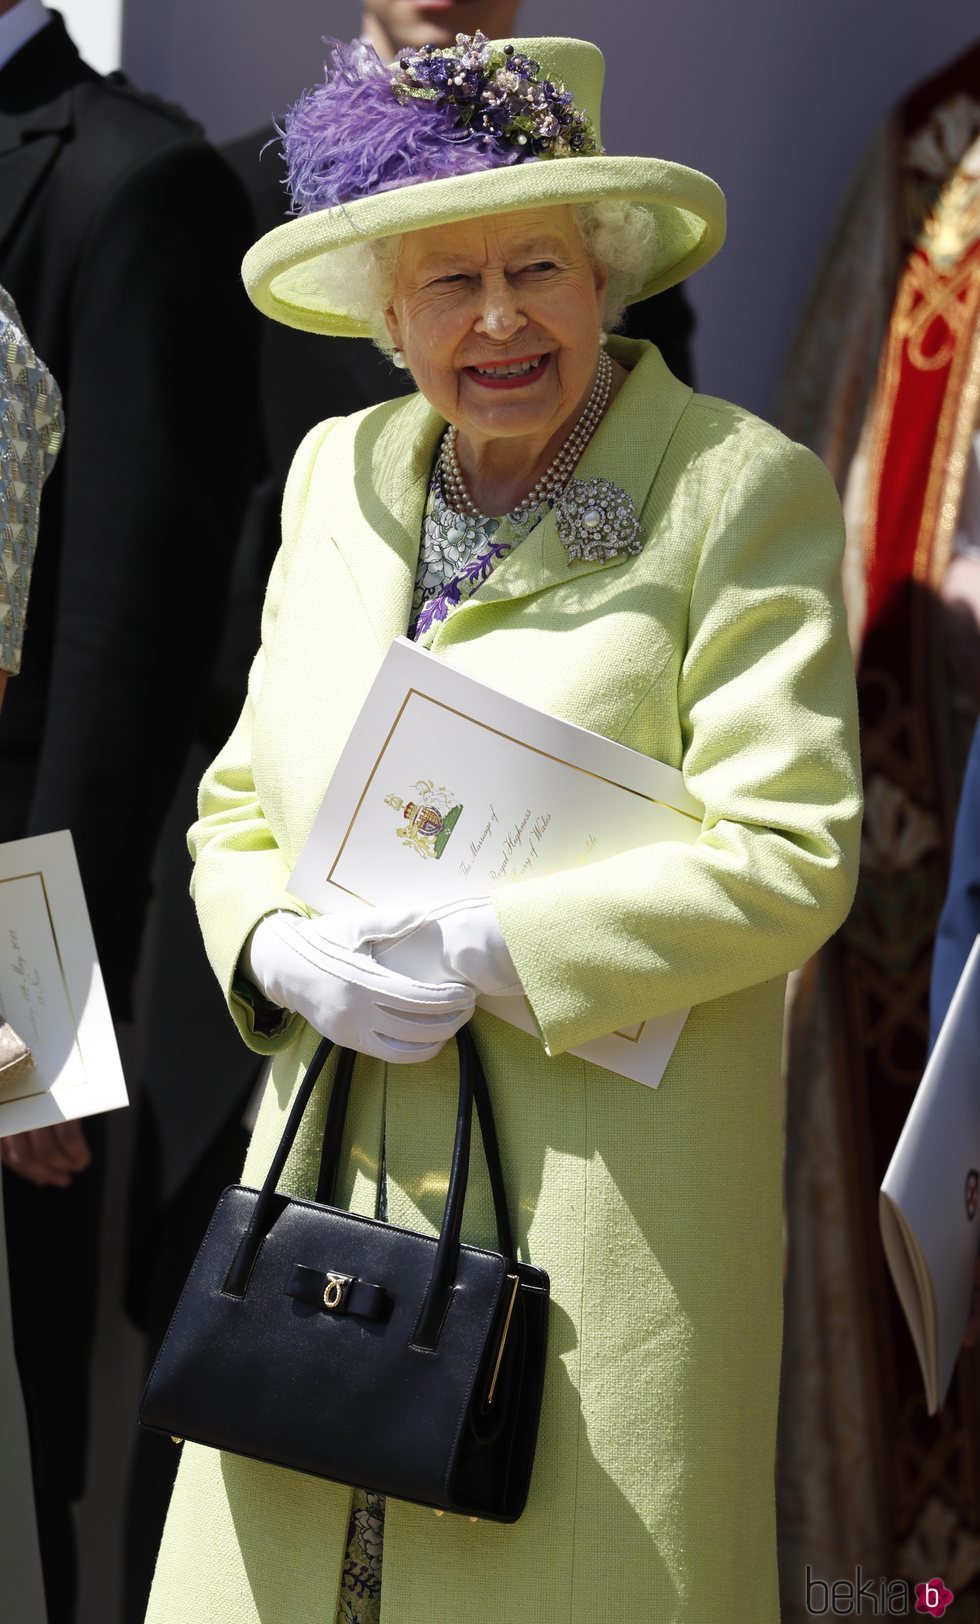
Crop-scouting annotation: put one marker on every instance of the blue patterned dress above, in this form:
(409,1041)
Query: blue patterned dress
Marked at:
(456,555)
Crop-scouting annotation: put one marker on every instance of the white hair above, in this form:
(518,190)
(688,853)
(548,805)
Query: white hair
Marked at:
(620,239)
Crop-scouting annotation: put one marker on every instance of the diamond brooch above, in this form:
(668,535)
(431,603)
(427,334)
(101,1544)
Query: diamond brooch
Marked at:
(597,521)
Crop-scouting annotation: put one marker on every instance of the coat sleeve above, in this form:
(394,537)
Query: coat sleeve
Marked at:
(768,717)
(240,872)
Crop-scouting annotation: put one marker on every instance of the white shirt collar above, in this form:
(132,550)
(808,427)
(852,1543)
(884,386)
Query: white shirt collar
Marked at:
(19,25)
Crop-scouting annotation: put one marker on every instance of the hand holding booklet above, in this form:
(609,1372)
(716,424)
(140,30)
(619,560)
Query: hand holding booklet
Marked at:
(928,1205)
(447,787)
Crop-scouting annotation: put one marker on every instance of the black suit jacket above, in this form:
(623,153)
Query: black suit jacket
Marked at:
(121,236)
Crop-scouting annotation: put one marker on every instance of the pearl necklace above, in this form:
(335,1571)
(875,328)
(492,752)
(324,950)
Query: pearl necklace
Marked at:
(558,472)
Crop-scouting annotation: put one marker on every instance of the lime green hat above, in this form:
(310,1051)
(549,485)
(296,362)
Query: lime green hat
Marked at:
(485,127)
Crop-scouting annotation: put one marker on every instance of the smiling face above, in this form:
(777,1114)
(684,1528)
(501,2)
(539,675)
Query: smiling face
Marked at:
(499,321)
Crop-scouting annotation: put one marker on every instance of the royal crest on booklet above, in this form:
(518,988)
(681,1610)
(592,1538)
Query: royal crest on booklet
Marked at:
(447,786)
(927,1207)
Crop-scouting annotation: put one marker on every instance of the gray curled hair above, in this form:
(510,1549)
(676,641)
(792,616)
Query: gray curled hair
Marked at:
(619,237)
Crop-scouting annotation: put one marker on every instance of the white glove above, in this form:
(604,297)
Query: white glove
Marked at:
(447,941)
(305,965)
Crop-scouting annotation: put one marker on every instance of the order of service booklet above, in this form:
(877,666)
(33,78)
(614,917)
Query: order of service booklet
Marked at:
(447,786)
(51,989)
(927,1206)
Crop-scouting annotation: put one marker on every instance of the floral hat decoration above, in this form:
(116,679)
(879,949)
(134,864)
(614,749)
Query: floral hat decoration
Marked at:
(445,134)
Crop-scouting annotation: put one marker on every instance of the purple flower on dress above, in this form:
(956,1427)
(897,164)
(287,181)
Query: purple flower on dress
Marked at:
(481,567)
(478,570)
(358,1578)
(438,607)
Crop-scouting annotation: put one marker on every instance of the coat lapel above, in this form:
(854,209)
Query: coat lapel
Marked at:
(627,449)
(22,170)
(378,531)
(36,115)
(391,449)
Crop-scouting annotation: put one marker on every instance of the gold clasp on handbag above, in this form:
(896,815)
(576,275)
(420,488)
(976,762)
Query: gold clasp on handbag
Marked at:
(333,1292)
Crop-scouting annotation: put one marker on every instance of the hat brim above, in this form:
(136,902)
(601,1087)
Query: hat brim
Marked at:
(280,270)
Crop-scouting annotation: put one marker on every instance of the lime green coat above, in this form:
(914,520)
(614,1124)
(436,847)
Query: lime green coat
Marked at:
(721,649)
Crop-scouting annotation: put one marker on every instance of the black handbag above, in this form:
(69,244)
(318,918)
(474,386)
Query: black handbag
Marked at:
(310,1337)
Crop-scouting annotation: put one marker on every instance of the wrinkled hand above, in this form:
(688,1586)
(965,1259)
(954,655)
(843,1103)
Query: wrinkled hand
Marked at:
(307,966)
(444,941)
(47,1155)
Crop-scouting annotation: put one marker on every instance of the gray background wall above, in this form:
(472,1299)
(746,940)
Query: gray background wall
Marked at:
(776,99)
(96,27)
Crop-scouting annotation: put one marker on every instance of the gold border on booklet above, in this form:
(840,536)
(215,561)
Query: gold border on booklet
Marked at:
(547,754)
(16,1099)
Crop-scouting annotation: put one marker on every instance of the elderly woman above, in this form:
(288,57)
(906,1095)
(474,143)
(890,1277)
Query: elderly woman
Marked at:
(459,208)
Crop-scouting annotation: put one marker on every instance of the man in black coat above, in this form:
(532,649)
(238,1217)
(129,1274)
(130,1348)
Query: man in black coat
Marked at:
(121,236)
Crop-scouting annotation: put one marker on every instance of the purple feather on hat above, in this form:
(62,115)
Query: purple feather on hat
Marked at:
(353,136)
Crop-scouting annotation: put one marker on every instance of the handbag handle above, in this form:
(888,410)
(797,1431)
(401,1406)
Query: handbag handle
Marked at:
(472,1085)
(333,1133)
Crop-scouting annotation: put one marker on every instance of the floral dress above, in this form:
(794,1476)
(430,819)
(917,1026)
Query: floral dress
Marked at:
(458,552)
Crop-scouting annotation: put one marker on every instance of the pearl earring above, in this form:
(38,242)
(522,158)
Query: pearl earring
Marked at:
(603,340)
(398,360)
